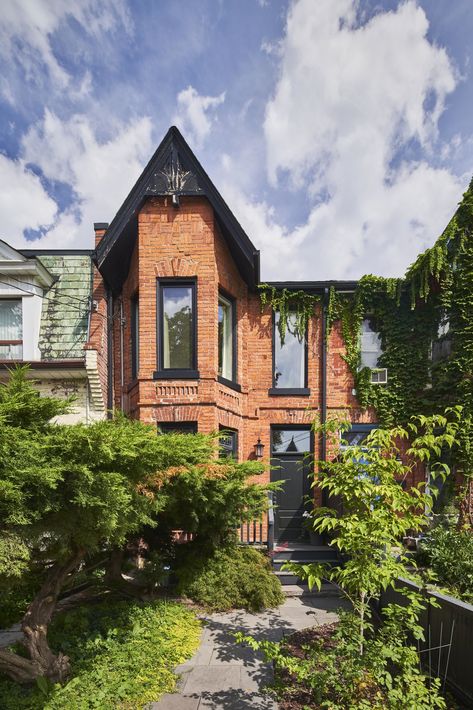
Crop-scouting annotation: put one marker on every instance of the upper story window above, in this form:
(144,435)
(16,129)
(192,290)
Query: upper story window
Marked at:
(11,329)
(226,338)
(442,346)
(370,345)
(289,357)
(177,330)
(134,335)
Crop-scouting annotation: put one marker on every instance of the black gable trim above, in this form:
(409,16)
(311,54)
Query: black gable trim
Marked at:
(172,171)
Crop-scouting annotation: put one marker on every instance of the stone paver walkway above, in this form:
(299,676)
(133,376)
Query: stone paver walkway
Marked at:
(224,675)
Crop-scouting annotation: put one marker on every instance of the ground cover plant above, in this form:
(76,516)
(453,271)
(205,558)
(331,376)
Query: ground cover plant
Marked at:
(362,664)
(234,577)
(122,656)
(72,498)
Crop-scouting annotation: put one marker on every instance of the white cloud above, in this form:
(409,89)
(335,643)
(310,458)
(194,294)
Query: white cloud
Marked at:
(27,28)
(100,173)
(194,113)
(348,98)
(24,204)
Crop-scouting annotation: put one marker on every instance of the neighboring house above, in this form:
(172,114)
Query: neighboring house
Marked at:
(45,306)
(189,348)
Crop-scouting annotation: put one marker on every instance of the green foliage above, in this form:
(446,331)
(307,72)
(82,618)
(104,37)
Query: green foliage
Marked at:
(232,578)
(22,406)
(374,511)
(449,552)
(330,672)
(212,500)
(122,656)
(286,302)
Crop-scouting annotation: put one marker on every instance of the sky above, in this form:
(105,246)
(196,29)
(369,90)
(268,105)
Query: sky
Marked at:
(338,131)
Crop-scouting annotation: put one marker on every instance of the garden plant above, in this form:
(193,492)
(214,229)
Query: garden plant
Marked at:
(362,664)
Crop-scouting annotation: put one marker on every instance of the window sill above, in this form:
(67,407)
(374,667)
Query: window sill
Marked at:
(229,383)
(176,375)
(289,392)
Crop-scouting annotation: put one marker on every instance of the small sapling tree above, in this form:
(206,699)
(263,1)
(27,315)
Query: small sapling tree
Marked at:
(376,505)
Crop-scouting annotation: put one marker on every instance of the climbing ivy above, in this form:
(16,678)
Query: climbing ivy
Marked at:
(286,303)
(436,290)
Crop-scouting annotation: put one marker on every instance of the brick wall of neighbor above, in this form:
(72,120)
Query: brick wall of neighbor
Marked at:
(98,339)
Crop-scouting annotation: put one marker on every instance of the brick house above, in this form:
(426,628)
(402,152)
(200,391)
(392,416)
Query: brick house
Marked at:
(188,346)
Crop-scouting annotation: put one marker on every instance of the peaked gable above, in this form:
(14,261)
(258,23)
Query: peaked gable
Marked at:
(173,171)
(8,253)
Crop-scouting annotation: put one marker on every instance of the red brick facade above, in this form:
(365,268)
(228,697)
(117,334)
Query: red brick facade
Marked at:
(187,242)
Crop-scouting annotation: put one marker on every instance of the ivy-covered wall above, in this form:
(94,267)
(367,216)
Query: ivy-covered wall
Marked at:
(431,307)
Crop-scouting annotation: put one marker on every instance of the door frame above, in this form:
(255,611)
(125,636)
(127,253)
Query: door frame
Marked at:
(309,455)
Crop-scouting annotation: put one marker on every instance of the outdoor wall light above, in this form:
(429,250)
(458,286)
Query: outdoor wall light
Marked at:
(259,449)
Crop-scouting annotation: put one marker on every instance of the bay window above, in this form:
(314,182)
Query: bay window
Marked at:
(11,329)
(177,331)
(226,338)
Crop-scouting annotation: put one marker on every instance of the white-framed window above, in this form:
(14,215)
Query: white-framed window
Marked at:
(370,345)
(11,329)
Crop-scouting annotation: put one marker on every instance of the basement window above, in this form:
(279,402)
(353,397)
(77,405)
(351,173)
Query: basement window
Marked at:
(11,329)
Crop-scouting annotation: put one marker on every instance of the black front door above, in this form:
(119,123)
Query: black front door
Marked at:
(291,465)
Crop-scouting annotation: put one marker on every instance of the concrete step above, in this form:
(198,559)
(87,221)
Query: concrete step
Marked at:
(302,590)
(278,562)
(307,553)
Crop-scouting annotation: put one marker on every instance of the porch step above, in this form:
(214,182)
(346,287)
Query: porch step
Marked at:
(279,562)
(306,553)
(301,554)
(302,590)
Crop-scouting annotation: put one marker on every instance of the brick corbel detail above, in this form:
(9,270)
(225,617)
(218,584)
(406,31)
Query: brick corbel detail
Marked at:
(176,266)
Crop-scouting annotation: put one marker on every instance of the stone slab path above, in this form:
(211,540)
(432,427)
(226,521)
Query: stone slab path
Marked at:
(224,675)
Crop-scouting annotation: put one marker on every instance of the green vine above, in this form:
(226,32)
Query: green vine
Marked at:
(298,304)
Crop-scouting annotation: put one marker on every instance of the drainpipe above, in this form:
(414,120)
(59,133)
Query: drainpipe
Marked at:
(109,354)
(122,349)
(323,403)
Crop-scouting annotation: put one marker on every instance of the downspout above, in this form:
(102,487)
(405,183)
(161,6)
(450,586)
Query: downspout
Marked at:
(122,350)
(323,403)
(109,354)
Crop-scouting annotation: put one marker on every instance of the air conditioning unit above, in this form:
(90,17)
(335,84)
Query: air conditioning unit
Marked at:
(379,376)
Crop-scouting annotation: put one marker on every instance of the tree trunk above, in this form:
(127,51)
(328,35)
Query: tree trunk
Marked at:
(115,580)
(362,622)
(465,508)
(42,661)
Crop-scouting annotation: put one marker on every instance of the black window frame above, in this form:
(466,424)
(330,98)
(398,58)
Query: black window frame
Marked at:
(135,335)
(289,391)
(161,372)
(233,383)
(223,454)
(182,427)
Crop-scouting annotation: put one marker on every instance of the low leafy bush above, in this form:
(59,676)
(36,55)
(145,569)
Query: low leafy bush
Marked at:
(122,656)
(322,667)
(449,553)
(231,578)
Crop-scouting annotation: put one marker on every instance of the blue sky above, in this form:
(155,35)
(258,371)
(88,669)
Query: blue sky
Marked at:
(339,132)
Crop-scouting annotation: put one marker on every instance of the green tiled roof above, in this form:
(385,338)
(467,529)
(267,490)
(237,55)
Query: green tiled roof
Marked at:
(64,318)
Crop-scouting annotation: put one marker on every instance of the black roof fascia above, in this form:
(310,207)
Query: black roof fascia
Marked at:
(28,253)
(119,229)
(312,285)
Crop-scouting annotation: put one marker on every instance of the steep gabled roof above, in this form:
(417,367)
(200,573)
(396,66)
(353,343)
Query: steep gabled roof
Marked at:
(173,171)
